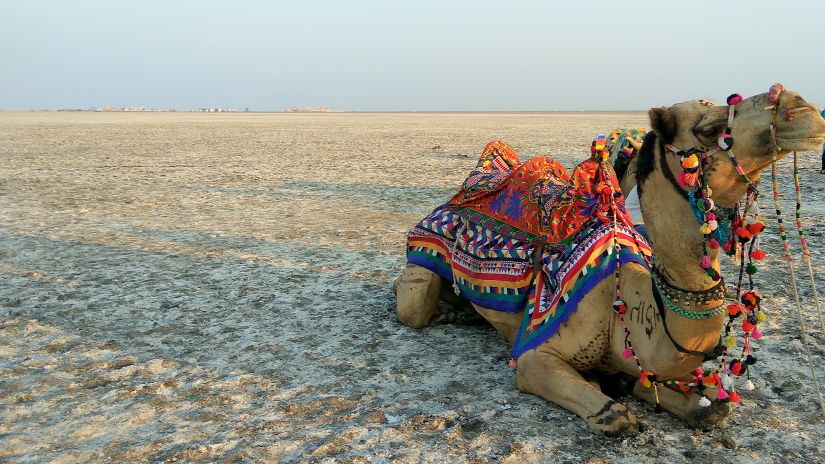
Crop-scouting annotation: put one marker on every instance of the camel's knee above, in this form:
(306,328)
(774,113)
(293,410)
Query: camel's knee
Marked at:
(417,291)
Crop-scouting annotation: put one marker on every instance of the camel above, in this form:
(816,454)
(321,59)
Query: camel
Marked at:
(592,340)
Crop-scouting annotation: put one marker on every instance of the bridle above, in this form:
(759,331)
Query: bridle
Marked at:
(692,160)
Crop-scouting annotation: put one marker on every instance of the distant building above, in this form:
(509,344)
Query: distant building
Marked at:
(307,110)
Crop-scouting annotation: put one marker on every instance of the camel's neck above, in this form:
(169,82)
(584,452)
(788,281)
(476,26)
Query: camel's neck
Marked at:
(677,248)
(674,231)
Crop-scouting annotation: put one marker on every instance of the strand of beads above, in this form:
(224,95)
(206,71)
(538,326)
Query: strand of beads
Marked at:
(786,247)
(803,241)
(709,225)
(692,177)
(646,378)
(789,258)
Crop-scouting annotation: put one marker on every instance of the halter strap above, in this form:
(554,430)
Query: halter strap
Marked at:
(701,152)
(725,141)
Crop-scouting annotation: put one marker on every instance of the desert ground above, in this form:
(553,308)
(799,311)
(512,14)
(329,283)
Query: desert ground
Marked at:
(217,288)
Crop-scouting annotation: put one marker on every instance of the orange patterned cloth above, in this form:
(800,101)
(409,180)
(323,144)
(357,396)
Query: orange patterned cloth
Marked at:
(536,201)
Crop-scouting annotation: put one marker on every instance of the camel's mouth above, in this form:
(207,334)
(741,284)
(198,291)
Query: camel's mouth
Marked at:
(801,143)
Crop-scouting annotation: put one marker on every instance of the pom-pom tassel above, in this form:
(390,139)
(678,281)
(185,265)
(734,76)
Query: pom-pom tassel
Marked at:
(773,93)
(627,353)
(749,386)
(734,99)
(734,397)
(688,179)
(756,334)
(757,254)
(721,394)
(619,306)
(704,402)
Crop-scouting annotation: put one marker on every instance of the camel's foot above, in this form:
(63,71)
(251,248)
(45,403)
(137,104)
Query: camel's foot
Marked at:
(685,406)
(417,293)
(613,419)
(552,378)
(712,416)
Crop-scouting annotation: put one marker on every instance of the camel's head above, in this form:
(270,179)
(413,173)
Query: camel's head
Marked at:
(699,123)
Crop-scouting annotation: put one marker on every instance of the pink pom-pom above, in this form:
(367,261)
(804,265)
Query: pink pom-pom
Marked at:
(705,263)
(773,93)
(711,217)
(713,225)
(803,241)
(756,333)
(721,394)
(734,99)
(627,353)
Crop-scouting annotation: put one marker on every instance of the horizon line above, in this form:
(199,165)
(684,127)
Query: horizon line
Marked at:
(175,110)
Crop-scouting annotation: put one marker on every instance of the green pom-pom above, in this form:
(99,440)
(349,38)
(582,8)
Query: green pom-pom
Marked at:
(750,269)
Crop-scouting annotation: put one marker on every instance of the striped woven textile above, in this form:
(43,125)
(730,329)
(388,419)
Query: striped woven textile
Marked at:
(509,218)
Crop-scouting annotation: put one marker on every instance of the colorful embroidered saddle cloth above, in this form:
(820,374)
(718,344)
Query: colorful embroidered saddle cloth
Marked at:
(511,218)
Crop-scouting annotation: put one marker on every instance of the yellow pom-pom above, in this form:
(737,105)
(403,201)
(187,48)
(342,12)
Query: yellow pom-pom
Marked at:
(730,342)
(645,379)
(690,162)
(761,317)
(704,229)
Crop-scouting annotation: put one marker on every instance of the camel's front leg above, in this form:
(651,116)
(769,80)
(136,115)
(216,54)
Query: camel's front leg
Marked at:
(685,405)
(550,377)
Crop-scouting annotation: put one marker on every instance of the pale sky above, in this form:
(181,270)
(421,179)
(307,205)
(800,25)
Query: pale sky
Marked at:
(388,55)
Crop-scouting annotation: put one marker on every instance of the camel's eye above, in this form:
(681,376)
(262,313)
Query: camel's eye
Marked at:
(708,131)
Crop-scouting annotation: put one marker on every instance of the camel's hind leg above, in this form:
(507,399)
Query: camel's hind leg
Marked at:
(417,292)
(552,378)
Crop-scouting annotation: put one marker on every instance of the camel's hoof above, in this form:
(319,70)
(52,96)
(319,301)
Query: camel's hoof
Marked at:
(710,417)
(612,420)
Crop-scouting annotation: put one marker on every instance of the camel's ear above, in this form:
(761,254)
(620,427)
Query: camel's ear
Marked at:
(663,122)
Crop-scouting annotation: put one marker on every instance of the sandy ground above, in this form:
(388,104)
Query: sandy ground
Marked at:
(200,287)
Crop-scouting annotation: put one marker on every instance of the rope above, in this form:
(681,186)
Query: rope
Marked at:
(789,259)
(803,241)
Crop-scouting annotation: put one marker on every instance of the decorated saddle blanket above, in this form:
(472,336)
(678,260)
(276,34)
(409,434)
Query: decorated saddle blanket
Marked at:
(528,237)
